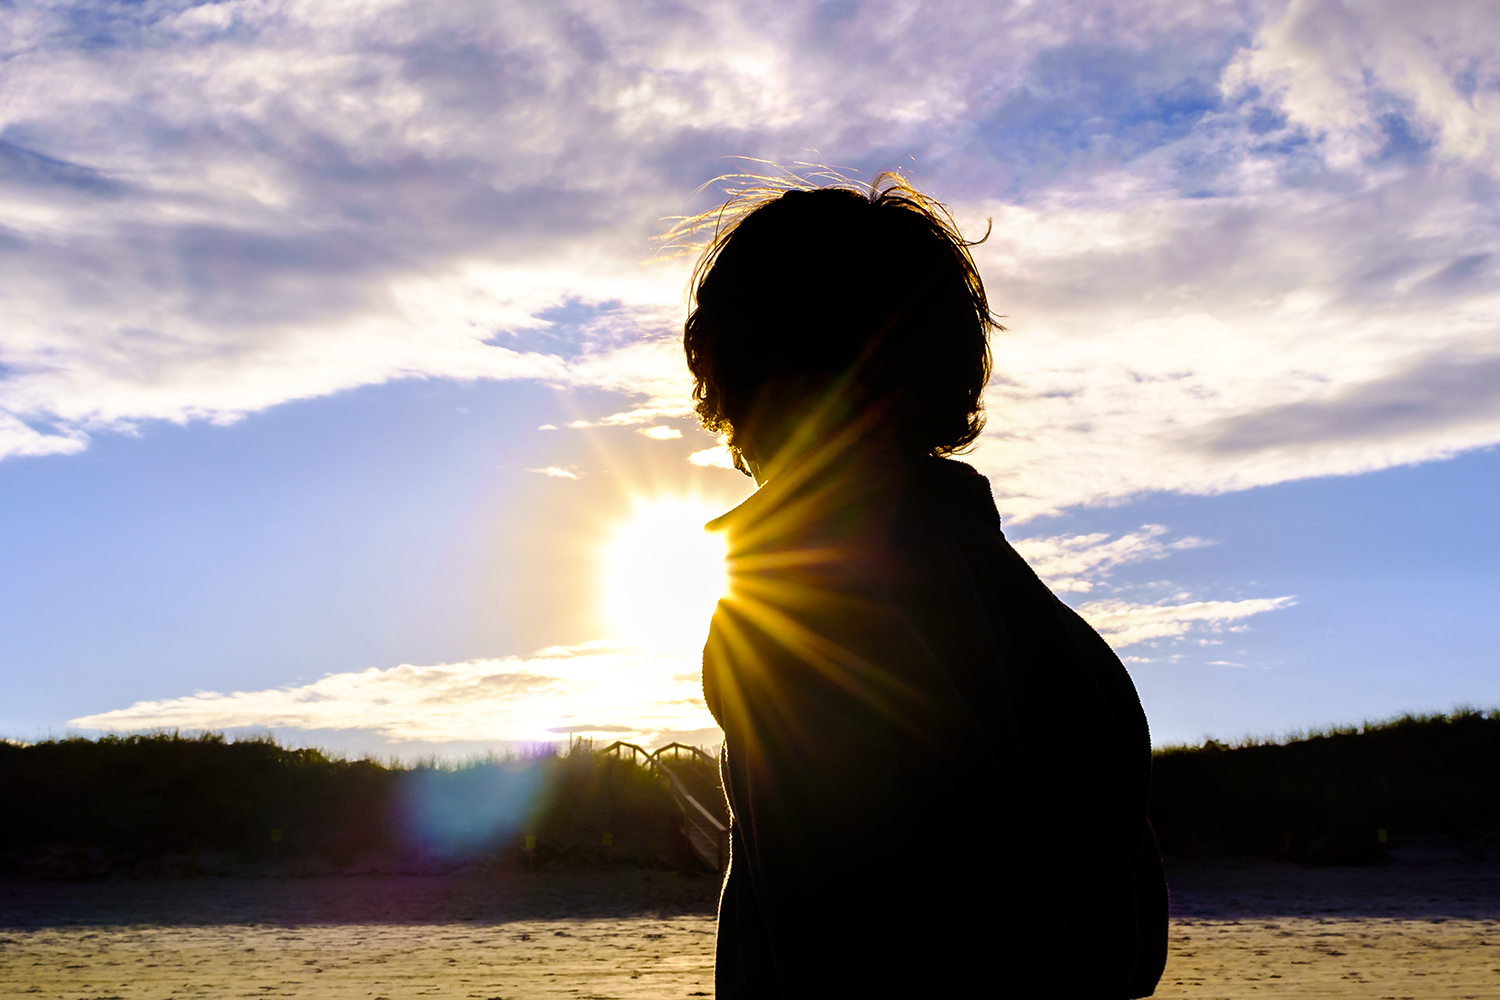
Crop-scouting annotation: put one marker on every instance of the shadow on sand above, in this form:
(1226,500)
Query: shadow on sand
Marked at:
(467,896)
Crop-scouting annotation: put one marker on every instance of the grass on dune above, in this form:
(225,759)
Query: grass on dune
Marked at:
(143,796)
(1326,796)
(1323,797)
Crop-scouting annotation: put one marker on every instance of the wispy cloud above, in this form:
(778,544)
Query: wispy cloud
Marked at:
(1077,563)
(1236,244)
(1123,623)
(1083,564)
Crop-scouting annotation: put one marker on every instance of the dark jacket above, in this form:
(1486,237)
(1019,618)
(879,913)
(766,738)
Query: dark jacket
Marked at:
(937,771)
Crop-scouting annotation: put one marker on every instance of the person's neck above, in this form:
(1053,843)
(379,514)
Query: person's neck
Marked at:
(809,453)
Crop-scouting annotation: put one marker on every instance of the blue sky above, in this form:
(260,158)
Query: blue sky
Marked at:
(289,289)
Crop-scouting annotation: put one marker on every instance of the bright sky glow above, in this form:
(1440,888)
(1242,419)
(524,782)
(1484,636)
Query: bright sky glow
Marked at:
(663,575)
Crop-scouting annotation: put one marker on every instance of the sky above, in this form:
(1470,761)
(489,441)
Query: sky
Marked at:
(341,388)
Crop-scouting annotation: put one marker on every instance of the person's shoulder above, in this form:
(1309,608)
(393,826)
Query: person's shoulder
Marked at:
(957,488)
(818,496)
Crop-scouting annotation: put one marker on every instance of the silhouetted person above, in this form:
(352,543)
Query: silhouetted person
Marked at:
(937,771)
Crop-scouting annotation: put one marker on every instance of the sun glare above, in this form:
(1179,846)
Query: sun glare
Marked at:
(663,575)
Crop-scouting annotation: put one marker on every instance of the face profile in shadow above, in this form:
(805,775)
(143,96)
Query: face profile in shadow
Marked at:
(937,772)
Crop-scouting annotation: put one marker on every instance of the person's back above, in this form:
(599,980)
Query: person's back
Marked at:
(937,773)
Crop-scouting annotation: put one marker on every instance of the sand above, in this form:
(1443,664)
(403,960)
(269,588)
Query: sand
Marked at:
(1255,929)
(633,957)
(1239,930)
(1333,957)
(600,934)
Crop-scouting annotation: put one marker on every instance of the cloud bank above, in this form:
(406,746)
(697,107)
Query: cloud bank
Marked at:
(1237,244)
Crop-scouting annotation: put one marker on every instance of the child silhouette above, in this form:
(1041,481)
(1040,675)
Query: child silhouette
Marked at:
(937,772)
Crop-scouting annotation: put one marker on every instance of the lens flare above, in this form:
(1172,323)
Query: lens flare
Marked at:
(664,574)
(479,805)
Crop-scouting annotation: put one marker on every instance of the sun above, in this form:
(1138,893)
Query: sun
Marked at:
(663,574)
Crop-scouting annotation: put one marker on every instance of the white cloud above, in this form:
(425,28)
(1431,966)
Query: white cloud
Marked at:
(716,457)
(1338,68)
(555,472)
(1080,564)
(1324,299)
(1076,563)
(660,433)
(1123,623)
(1294,345)
(641,694)
(16,438)
(1225,264)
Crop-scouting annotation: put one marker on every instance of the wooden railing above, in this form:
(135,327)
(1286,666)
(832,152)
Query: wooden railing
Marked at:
(706,833)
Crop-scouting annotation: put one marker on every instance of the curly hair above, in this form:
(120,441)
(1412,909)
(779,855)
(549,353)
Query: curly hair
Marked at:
(868,293)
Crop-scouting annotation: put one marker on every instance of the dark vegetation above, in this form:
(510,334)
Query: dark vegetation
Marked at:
(1355,796)
(171,804)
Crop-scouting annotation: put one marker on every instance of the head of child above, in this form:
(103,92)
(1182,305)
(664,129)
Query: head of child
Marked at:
(834,317)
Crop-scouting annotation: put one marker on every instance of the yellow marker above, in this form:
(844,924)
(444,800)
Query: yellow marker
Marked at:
(276,835)
(531,841)
(1380,836)
(609,840)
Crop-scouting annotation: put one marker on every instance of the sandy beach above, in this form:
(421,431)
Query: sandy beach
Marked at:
(1240,930)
